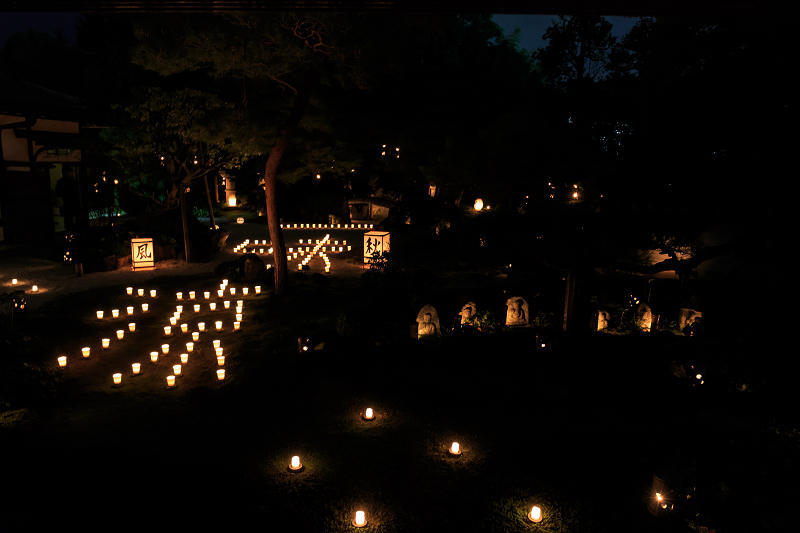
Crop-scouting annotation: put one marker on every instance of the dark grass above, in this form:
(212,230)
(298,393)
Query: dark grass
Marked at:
(578,428)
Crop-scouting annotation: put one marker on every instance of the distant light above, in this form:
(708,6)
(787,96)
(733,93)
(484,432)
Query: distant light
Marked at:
(574,195)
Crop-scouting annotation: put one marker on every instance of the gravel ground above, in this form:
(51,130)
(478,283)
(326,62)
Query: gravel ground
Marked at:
(28,264)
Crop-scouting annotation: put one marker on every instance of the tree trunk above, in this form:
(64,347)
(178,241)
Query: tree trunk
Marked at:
(569,302)
(210,206)
(185,223)
(270,177)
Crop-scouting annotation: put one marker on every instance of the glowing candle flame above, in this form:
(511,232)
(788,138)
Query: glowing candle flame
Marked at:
(361,520)
(170,381)
(62,361)
(154,357)
(117,379)
(368,413)
(136,367)
(454,448)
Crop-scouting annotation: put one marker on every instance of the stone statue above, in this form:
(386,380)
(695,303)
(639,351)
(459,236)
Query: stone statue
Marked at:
(428,322)
(644,316)
(517,312)
(467,311)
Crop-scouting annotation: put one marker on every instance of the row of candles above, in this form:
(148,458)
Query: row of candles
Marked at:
(292,254)
(326,226)
(315,251)
(15,281)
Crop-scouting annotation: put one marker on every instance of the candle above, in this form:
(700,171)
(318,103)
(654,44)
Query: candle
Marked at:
(136,367)
(184,328)
(195,336)
(132,327)
(201,326)
(99,315)
(221,374)
(153,294)
(129,310)
(216,343)
(179,308)
(179,295)
(239,309)
(360,520)
(120,333)
(295,465)
(224,281)
(239,303)
(140,292)
(220,360)
(191,295)
(227,304)
(117,379)
(190,347)
(14,281)
(176,369)
(455,449)
(536,514)
(238,317)
(170,381)
(369,414)
(218,325)
(154,357)
(165,349)
(184,358)
(213,306)
(218,351)
(168,329)
(206,295)
(244,291)
(196,308)
(233,290)
(85,352)
(129,290)
(106,343)
(115,313)
(144,308)
(173,321)
(62,361)
(236,326)
(220,293)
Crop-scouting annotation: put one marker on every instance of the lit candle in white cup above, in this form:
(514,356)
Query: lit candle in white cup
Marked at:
(117,379)
(129,290)
(218,325)
(218,351)
(245,291)
(184,358)
(176,369)
(236,326)
(220,360)
(206,295)
(238,317)
(258,289)
(140,292)
(129,310)
(145,307)
(179,295)
(226,304)
(115,313)
(216,343)
(106,343)
(184,328)
(168,329)
(99,315)
(201,326)
(173,321)
(191,295)
(132,327)
(62,361)
(220,293)
(233,290)
(213,306)
(195,336)
(170,381)
(136,367)
(368,414)
(165,349)
(221,374)
(120,334)
(189,347)
(153,293)
(154,357)
(85,352)
(196,308)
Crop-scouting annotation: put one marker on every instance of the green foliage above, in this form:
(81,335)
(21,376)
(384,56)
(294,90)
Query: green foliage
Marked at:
(484,321)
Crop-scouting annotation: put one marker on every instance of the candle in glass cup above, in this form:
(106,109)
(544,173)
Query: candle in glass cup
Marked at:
(129,310)
(191,295)
(132,327)
(140,292)
(170,381)
(184,328)
(85,352)
(195,336)
(129,290)
(154,357)
(165,349)
(62,361)
(184,358)
(106,343)
(115,313)
(136,367)
(120,334)
(145,307)
(220,360)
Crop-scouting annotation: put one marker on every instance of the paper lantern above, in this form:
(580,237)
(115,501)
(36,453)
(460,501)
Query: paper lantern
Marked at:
(179,295)
(154,357)
(176,369)
(136,367)
(115,313)
(212,306)
(170,381)
(184,328)
(191,295)
(106,343)
(129,290)
(168,329)
(99,315)
(132,327)
(196,308)
(227,304)
(140,292)
(153,293)
(129,310)
(190,347)
(360,520)
(221,374)
(120,334)
(368,414)
(117,379)
(236,326)
(184,358)
(62,361)
(536,514)
(220,360)
(195,336)
(85,352)
(142,255)
(455,449)
(218,350)
(239,220)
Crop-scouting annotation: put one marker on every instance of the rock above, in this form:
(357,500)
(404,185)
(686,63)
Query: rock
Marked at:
(254,268)
(219,239)
(162,252)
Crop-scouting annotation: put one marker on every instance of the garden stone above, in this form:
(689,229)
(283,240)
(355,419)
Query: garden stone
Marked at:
(428,323)
(254,267)
(644,316)
(469,310)
(690,311)
(219,239)
(517,312)
(603,318)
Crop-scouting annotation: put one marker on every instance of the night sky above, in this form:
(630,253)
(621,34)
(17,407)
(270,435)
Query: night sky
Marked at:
(532,26)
